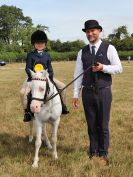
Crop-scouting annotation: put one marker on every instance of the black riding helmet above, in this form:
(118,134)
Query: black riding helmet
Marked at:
(38,36)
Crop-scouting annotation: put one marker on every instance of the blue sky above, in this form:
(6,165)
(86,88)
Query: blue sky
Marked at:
(65,19)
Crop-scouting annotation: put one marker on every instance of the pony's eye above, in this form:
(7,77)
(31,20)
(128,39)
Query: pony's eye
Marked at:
(41,89)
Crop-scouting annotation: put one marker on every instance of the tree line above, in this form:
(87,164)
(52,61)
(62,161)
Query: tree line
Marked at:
(16,30)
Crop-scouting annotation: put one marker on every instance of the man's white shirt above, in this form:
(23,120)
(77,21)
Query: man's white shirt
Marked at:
(115,66)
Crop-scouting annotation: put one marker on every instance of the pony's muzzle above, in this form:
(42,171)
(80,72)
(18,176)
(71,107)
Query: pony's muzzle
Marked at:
(35,106)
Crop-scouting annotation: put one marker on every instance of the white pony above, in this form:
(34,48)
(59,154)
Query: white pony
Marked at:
(41,89)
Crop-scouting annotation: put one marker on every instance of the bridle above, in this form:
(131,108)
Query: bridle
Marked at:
(46,92)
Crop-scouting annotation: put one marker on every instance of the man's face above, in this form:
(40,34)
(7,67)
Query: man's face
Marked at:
(93,34)
(40,45)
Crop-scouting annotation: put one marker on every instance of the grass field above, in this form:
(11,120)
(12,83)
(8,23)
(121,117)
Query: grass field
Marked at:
(16,154)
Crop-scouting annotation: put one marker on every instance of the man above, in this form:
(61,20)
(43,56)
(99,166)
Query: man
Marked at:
(96,92)
(129,58)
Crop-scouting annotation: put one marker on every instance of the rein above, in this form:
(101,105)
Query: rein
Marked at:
(59,92)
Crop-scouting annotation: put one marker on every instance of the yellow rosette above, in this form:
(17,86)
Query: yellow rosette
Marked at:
(38,68)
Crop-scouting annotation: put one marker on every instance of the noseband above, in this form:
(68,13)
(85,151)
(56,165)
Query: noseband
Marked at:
(46,92)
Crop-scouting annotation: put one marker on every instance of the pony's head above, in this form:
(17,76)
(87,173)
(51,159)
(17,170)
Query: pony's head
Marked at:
(39,89)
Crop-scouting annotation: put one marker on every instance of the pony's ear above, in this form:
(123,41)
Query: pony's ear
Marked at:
(43,72)
(47,74)
(32,73)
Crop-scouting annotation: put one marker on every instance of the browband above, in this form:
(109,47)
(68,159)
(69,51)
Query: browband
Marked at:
(39,79)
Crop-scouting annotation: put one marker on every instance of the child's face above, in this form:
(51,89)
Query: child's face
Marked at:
(40,45)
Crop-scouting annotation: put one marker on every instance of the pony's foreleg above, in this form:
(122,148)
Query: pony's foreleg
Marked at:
(31,131)
(46,139)
(37,145)
(54,138)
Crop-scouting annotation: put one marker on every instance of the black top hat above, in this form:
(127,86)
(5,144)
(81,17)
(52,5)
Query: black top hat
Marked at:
(90,24)
(38,36)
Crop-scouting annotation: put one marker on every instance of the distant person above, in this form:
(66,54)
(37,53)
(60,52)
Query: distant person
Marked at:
(39,56)
(129,58)
(96,91)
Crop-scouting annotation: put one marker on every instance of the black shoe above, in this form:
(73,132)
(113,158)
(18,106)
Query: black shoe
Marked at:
(28,116)
(64,109)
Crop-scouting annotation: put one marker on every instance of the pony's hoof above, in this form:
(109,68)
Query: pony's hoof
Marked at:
(35,165)
(30,139)
(55,157)
(49,146)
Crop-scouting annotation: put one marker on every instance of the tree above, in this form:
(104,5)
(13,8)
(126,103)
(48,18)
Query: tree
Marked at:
(11,20)
(67,46)
(42,27)
(121,39)
(56,45)
(77,45)
(16,29)
(119,33)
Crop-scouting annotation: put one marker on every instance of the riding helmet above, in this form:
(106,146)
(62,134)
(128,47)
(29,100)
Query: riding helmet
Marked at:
(38,36)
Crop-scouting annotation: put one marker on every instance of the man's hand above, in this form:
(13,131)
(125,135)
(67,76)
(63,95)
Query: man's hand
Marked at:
(75,103)
(99,67)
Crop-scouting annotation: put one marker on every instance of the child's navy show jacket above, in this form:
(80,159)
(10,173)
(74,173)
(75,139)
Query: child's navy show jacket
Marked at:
(34,58)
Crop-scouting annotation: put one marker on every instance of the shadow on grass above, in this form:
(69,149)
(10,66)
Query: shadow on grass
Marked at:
(15,146)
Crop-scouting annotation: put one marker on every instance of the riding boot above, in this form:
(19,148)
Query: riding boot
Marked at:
(28,115)
(64,109)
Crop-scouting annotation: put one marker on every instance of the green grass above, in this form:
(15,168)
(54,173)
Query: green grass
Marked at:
(16,154)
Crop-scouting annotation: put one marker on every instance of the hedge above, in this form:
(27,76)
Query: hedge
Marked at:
(12,56)
(56,56)
(20,57)
(60,56)
(124,54)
